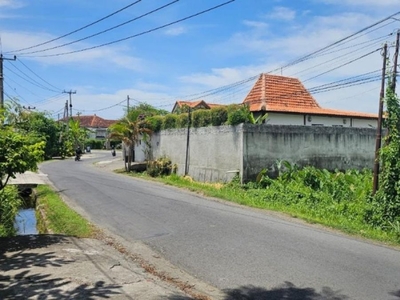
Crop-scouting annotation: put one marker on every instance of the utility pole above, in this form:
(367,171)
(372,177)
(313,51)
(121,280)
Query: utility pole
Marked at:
(127,104)
(396,56)
(70,100)
(2,78)
(187,143)
(379,127)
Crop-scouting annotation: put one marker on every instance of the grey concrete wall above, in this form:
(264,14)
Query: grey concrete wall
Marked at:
(323,147)
(215,153)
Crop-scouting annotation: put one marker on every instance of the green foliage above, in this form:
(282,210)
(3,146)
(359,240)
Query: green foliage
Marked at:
(385,204)
(238,114)
(219,116)
(170,121)
(155,123)
(161,167)
(183,120)
(95,143)
(10,203)
(201,118)
(18,153)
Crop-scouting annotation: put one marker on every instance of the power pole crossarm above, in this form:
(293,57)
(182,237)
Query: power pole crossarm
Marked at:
(2,78)
(70,100)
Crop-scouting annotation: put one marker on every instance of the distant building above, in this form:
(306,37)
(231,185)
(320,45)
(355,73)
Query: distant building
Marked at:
(200,104)
(287,102)
(96,125)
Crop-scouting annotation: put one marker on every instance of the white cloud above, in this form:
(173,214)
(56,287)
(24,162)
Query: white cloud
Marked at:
(114,55)
(282,13)
(366,3)
(11,3)
(255,24)
(174,31)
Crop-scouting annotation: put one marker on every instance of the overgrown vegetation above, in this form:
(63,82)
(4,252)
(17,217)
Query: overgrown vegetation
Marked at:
(384,211)
(160,167)
(60,219)
(10,203)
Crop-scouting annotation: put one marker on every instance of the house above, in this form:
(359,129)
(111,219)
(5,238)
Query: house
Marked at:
(287,102)
(96,125)
(200,104)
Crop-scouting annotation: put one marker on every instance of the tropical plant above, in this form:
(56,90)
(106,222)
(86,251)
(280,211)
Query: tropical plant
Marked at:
(129,130)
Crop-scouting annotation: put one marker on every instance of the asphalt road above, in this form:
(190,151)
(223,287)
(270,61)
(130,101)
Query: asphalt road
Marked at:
(240,250)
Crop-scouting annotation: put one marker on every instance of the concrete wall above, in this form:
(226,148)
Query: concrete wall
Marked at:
(215,153)
(323,147)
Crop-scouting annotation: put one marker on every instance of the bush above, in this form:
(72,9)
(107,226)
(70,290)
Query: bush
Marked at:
(238,114)
(170,121)
(95,143)
(10,203)
(155,123)
(183,120)
(161,167)
(219,116)
(201,118)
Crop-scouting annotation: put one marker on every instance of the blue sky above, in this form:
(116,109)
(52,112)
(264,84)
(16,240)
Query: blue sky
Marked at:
(184,61)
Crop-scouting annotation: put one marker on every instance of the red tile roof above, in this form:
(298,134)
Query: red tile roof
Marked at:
(273,93)
(194,104)
(93,121)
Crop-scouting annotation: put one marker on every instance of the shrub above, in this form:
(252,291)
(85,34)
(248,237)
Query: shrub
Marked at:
(238,114)
(219,116)
(155,123)
(201,118)
(183,120)
(10,203)
(170,121)
(95,143)
(161,167)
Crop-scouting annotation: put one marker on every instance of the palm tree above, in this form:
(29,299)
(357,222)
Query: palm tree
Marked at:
(129,130)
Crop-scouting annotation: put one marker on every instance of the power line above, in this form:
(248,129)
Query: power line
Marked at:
(79,29)
(141,33)
(29,79)
(104,31)
(38,75)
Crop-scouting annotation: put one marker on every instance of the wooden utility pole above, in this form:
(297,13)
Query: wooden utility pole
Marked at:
(379,127)
(396,56)
(127,104)
(2,78)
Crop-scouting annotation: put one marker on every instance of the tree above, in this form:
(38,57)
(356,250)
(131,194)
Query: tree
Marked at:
(129,130)
(19,151)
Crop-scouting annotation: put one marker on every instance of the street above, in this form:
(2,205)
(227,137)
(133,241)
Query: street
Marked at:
(236,249)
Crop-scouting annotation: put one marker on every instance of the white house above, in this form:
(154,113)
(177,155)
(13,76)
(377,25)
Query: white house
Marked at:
(287,102)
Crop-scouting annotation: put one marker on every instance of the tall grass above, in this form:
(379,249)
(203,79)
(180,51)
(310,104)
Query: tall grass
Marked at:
(59,218)
(10,203)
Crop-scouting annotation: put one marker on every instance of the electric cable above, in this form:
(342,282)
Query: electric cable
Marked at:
(139,34)
(19,60)
(104,31)
(77,30)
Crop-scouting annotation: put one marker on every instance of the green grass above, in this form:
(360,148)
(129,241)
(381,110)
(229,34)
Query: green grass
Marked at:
(345,215)
(59,217)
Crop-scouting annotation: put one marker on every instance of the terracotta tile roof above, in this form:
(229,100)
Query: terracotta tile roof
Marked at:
(93,121)
(288,95)
(194,104)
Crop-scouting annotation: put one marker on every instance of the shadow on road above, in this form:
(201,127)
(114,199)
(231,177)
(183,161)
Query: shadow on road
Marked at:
(396,294)
(23,283)
(286,291)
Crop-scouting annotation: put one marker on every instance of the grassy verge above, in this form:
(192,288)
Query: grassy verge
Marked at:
(58,217)
(348,220)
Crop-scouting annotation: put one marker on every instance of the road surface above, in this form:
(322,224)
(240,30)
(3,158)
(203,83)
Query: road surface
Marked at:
(239,250)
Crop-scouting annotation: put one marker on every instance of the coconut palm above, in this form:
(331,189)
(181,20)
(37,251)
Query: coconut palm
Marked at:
(129,130)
